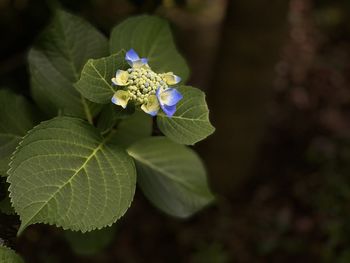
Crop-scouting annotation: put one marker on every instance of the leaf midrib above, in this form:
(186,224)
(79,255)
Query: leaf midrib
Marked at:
(181,118)
(76,74)
(102,77)
(167,174)
(94,152)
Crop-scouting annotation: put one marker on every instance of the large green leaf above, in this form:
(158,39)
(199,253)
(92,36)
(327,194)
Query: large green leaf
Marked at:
(190,123)
(16,118)
(65,173)
(56,61)
(151,38)
(171,175)
(132,129)
(111,114)
(95,82)
(92,242)
(7,255)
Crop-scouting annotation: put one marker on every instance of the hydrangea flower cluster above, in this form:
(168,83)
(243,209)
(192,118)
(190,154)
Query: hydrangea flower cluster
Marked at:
(150,90)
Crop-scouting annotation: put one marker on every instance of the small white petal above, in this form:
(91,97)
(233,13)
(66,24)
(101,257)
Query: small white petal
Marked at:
(152,106)
(121,78)
(170,78)
(121,98)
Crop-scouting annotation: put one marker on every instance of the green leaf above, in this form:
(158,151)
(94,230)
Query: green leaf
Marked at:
(111,114)
(151,37)
(171,176)
(65,173)
(7,255)
(90,243)
(132,129)
(56,61)
(190,123)
(95,83)
(17,116)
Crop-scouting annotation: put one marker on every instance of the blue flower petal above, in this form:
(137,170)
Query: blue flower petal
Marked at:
(169,110)
(139,63)
(158,91)
(169,97)
(177,79)
(131,56)
(153,113)
(144,60)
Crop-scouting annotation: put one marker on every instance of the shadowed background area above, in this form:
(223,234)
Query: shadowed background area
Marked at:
(276,75)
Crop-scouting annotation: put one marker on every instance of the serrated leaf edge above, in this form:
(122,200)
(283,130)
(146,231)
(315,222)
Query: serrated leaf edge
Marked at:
(212,128)
(22,228)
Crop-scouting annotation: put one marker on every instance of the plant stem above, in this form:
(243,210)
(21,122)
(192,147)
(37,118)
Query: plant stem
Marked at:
(87,111)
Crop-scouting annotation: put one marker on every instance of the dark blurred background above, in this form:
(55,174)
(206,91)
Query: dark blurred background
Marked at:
(276,74)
